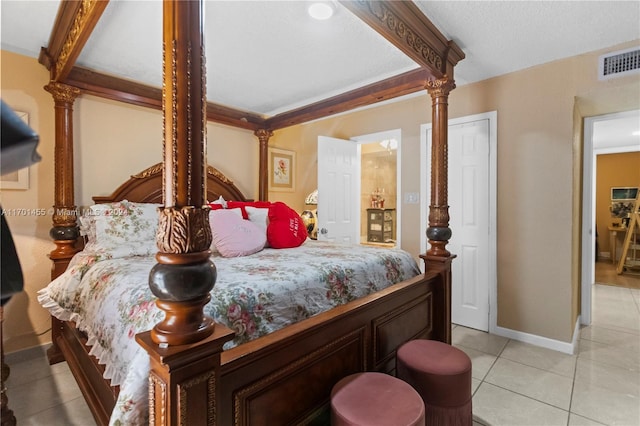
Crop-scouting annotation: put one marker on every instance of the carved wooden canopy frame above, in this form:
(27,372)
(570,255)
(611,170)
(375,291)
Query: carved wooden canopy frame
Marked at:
(400,22)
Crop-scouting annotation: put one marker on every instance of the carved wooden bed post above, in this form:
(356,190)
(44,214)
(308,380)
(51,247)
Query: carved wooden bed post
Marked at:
(263,136)
(185,347)
(438,257)
(439,232)
(65,229)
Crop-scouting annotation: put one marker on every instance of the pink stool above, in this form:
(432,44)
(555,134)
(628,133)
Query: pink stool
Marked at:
(442,376)
(375,399)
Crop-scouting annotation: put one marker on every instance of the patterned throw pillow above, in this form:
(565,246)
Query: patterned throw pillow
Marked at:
(121,229)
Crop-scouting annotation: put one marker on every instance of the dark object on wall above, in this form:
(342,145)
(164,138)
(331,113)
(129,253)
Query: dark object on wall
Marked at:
(11,273)
(18,150)
(19,142)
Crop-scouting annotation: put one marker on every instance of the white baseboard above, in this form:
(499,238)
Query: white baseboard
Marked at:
(533,339)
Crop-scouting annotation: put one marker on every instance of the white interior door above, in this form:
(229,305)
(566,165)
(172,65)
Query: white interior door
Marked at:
(471,182)
(338,190)
(469,211)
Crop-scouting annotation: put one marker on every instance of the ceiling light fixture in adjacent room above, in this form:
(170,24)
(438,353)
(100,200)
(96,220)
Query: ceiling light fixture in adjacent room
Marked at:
(321,10)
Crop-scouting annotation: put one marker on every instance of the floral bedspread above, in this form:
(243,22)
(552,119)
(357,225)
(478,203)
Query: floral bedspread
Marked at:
(254,295)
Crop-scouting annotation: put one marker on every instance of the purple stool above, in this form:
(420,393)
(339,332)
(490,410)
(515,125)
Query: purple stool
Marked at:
(375,399)
(442,376)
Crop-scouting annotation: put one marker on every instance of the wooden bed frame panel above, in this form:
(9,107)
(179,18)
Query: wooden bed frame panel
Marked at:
(146,187)
(98,392)
(286,377)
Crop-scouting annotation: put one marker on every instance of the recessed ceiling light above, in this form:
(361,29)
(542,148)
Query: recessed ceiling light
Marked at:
(321,10)
(636,133)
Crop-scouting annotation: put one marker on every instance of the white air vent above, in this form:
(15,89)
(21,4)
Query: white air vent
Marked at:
(617,64)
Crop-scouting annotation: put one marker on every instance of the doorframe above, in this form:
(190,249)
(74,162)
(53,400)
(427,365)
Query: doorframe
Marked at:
(589,175)
(377,137)
(425,161)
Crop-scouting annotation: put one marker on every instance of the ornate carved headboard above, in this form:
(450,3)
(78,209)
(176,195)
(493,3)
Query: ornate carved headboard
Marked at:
(146,187)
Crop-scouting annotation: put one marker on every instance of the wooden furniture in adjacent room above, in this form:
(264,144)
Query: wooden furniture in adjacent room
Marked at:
(614,231)
(381,225)
(630,257)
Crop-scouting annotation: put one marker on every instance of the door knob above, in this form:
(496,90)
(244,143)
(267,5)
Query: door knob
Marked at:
(324,231)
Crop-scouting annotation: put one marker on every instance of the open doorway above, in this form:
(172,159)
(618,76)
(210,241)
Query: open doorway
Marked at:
(603,134)
(344,207)
(380,188)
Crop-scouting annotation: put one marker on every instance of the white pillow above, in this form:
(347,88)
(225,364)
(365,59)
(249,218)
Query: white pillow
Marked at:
(220,201)
(259,216)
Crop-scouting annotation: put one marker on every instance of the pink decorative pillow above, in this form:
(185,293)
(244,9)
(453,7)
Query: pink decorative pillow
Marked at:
(212,212)
(286,228)
(233,236)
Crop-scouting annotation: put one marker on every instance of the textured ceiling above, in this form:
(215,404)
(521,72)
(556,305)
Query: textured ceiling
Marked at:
(499,37)
(270,56)
(262,56)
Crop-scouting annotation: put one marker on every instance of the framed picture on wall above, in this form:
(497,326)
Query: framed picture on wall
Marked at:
(625,193)
(282,170)
(20,178)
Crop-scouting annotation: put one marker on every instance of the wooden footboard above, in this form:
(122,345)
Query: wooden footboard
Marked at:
(286,377)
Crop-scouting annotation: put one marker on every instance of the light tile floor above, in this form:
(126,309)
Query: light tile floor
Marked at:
(516,383)
(513,383)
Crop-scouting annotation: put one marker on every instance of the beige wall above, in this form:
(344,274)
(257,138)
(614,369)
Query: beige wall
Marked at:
(128,138)
(539,161)
(613,170)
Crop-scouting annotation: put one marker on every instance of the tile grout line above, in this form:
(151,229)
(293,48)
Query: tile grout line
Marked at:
(527,396)
(573,381)
(487,373)
(635,301)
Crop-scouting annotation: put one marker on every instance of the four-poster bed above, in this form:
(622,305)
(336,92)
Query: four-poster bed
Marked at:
(284,377)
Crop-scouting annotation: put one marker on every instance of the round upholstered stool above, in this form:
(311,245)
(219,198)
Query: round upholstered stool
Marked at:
(442,376)
(375,399)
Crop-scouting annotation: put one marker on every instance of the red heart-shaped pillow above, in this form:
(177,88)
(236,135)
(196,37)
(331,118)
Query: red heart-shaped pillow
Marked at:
(286,228)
